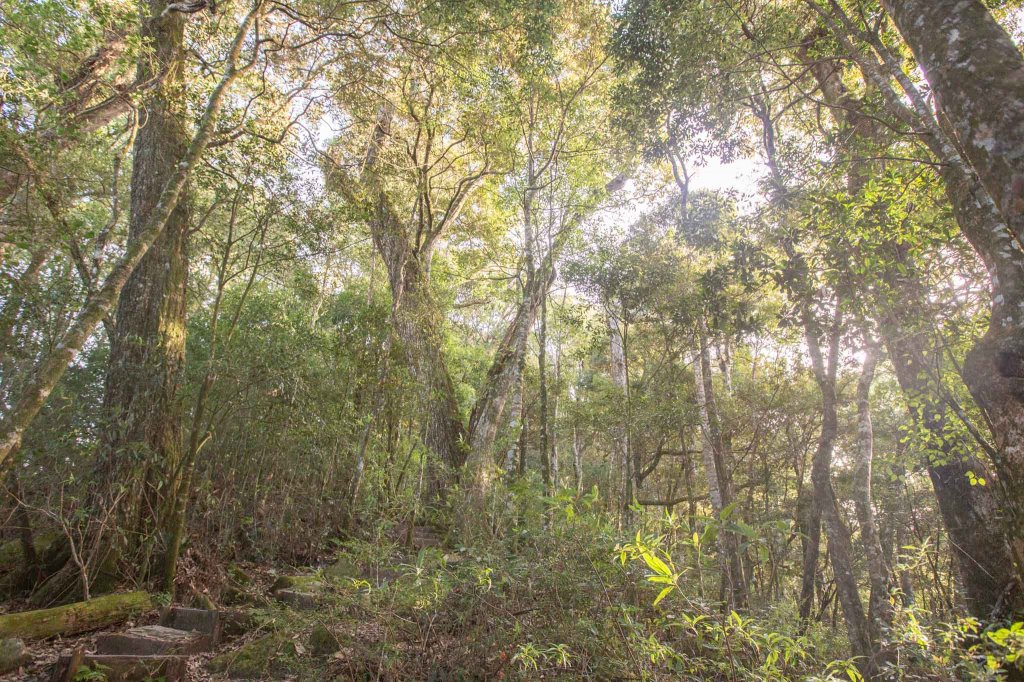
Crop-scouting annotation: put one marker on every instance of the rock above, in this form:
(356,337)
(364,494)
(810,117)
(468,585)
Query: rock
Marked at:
(322,642)
(302,601)
(424,536)
(13,654)
(238,576)
(303,583)
(198,620)
(302,592)
(266,658)
(123,668)
(417,537)
(345,567)
(75,618)
(153,640)
(236,622)
(345,571)
(234,596)
(11,556)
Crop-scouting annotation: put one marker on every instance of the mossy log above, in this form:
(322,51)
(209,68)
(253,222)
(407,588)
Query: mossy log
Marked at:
(75,618)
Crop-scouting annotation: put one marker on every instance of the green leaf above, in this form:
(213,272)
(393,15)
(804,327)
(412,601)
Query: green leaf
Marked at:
(656,564)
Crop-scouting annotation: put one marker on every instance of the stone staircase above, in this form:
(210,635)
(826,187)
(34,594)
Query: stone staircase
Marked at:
(149,651)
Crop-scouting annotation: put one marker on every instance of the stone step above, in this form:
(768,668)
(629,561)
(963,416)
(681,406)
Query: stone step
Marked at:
(418,537)
(121,668)
(153,640)
(300,601)
(424,536)
(194,620)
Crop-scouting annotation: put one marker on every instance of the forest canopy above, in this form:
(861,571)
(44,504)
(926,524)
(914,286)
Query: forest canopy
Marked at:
(487,339)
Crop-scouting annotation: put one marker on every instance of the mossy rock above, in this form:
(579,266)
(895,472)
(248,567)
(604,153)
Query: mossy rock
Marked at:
(13,655)
(263,658)
(323,642)
(300,583)
(344,568)
(238,575)
(11,556)
(237,622)
(233,596)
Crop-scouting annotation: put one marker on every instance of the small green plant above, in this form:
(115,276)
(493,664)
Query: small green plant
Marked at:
(94,674)
(530,657)
(1009,647)
(663,570)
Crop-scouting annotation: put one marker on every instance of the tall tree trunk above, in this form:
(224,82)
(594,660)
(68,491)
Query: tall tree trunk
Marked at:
(547,465)
(577,459)
(970,513)
(31,398)
(503,377)
(977,74)
(620,431)
(940,31)
(717,471)
(809,520)
(524,437)
(555,415)
(880,610)
(143,439)
(419,326)
(840,547)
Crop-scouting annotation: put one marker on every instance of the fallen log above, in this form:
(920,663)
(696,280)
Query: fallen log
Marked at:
(76,618)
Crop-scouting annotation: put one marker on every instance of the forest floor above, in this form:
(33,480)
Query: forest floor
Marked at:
(419,610)
(563,603)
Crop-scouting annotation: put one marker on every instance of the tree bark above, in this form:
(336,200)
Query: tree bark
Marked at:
(809,518)
(73,619)
(577,460)
(825,503)
(880,609)
(79,113)
(31,398)
(548,463)
(620,431)
(970,513)
(717,472)
(143,440)
(504,375)
(977,75)
(988,112)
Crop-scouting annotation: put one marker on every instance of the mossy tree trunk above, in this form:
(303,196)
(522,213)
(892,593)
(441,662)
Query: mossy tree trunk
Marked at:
(142,442)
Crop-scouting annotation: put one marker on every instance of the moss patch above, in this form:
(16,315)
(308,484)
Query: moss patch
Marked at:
(273,654)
